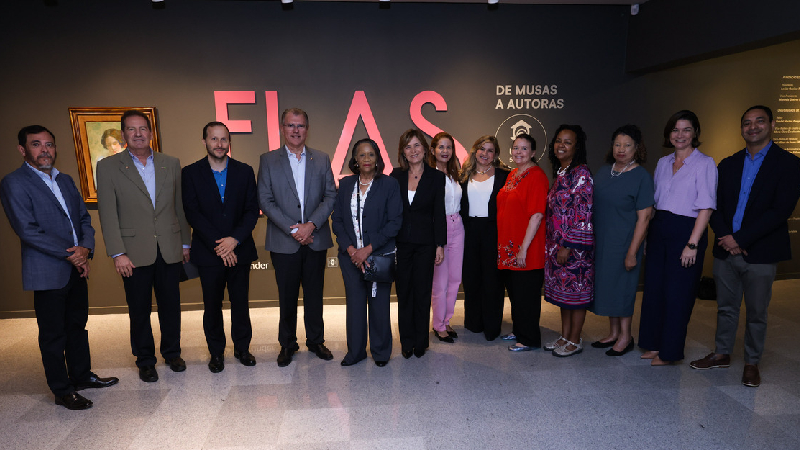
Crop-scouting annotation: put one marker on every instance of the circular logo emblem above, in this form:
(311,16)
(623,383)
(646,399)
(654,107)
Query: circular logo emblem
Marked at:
(518,124)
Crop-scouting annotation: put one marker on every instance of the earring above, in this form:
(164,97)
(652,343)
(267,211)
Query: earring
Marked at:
(356,165)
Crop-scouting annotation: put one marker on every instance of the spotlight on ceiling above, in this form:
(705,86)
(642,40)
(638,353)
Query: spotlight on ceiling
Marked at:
(384,4)
(158,4)
(493,4)
(287,5)
(634,9)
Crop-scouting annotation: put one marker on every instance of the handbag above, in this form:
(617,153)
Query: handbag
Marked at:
(377,268)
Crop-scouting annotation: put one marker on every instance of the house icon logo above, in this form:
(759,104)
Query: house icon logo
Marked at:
(518,124)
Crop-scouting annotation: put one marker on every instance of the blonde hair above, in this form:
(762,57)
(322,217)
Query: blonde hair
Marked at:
(470,165)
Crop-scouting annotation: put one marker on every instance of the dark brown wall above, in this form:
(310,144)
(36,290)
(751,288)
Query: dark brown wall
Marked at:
(126,54)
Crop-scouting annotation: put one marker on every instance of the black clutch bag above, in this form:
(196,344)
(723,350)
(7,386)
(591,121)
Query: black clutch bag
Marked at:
(379,268)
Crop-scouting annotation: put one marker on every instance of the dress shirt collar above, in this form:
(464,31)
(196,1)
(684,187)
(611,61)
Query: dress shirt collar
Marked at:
(43,175)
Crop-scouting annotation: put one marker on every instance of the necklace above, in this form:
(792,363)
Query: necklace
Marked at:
(615,173)
(415,175)
(484,172)
(365,184)
(562,170)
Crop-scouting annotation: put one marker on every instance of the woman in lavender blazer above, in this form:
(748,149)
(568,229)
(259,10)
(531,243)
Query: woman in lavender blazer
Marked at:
(686,186)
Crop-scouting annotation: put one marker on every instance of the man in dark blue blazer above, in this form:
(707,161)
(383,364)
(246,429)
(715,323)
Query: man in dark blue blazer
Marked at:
(219,199)
(758,190)
(56,235)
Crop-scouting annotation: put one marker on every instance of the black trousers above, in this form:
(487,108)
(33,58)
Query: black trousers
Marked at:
(213,280)
(413,282)
(365,312)
(483,290)
(61,315)
(164,279)
(525,293)
(306,267)
(669,288)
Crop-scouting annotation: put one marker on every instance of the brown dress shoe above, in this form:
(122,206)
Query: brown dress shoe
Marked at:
(712,361)
(751,377)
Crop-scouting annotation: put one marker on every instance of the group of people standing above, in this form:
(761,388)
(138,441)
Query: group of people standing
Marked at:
(582,238)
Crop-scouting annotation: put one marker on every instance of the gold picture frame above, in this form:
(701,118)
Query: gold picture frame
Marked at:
(97,134)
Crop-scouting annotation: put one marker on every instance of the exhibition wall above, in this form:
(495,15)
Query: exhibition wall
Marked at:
(359,71)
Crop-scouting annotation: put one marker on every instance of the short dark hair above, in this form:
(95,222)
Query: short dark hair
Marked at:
(405,138)
(134,113)
(215,124)
(766,109)
(531,141)
(580,148)
(294,112)
(684,114)
(633,132)
(112,132)
(23,134)
(379,166)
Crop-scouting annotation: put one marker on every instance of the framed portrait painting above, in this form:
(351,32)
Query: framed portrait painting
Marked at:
(98,134)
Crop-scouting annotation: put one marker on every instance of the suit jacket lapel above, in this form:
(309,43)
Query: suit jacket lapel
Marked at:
(39,184)
(128,168)
(208,179)
(287,171)
(160,175)
(309,175)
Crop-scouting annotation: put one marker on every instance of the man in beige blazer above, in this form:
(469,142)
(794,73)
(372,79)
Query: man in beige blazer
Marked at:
(145,231)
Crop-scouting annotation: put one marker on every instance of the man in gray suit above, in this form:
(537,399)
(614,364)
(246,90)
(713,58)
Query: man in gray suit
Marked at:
(56,236)
(145,230)
(296,192)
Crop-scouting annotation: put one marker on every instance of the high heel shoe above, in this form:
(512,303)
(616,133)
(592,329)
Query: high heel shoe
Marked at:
(407,353)
(445,338)
(629,347)
(452,333)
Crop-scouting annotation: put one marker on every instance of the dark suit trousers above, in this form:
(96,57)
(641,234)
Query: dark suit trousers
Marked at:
(306,267)
(213,280)
(414,281)
(669,288)
(361,306)
(483,291)
(164,279)
(61,315)
(525,294)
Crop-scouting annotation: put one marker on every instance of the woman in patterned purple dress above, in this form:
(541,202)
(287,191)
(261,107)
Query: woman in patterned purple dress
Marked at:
(569,238)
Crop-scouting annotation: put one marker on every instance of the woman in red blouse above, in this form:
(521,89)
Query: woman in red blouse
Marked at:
(520,243)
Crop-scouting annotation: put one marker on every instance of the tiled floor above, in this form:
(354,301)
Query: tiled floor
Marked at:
(469,395)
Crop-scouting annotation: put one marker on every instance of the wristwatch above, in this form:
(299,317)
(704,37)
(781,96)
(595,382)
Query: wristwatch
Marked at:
(692,246)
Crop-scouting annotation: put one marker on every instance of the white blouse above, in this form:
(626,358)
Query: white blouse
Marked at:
(452,196)
(357,212)
(479,193)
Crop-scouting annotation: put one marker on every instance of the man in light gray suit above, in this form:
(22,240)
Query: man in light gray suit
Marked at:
(296,192)
(55,231)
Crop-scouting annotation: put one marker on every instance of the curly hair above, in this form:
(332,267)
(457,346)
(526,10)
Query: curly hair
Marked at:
(580,148)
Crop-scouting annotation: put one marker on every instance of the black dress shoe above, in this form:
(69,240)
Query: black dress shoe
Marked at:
(95,382)
(418,352)
(148,374)
(245,357)
(407,353)
(600,344)
(381,363)
(177,364)
(285,356)
(452,333)
(612,352)
(346,363)
(445,338)
(217,364)
(321,351)
(74,401)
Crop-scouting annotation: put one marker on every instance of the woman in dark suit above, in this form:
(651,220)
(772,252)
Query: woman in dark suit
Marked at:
(482,177)
(366,218)
(421,241)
